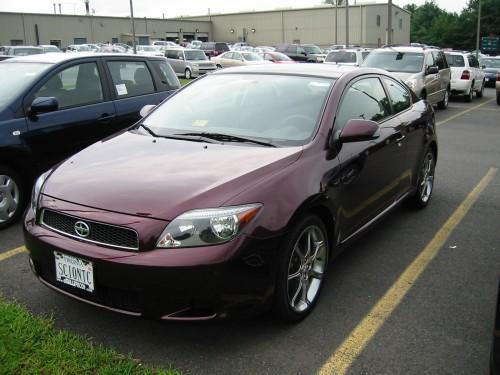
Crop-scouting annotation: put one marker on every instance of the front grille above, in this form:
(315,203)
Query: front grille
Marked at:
(100,233)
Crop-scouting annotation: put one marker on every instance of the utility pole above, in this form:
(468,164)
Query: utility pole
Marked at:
(133,26)
(389,22)
(478,36)
(336,22)
(347,23)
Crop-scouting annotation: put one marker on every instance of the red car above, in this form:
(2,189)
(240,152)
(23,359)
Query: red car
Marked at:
(233,195)
(277,57)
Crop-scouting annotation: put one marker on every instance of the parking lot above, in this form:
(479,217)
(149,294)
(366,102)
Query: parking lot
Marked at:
(380,312)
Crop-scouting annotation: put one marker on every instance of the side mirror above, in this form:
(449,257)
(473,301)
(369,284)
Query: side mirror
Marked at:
(304,53)
(146,109)
(358,130)
(432,70)
(44,104)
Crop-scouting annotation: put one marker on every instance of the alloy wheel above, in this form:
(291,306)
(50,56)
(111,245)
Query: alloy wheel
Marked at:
(9,198)
(427,180)
(306,268)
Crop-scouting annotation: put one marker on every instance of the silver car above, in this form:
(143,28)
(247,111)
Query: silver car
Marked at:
(189,62)
(425,70)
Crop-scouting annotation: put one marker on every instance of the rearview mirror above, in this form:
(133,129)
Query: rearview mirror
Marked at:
(44,104)
(357,130)
(432,70)
(146,109)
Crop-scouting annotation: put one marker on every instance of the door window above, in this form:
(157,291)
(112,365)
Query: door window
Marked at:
(168,79)
(74,86)
(237,56)
(292,49)
(131,78)
(399,96)
(365,99)
(429,60)
(439,60)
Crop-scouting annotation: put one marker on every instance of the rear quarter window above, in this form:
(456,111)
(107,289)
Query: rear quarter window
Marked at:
(168,79)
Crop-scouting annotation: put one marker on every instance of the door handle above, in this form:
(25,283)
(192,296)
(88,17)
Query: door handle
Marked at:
(399,141)
(105,117)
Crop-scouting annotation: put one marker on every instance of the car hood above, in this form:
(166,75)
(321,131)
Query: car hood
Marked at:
(162,178)
(491,70)
(405,76)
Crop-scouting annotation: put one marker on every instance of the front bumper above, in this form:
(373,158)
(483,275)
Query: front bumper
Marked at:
(203,283)
(490,79)
(200,71)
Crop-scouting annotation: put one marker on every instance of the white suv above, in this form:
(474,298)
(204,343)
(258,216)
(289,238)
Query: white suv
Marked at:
(351,56)
(466,75)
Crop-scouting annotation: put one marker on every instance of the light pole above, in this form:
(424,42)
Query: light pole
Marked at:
(347,23)
(133,26)
(478,36)
(389,22)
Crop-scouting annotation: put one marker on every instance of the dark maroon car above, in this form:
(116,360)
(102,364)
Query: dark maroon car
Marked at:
(234,194)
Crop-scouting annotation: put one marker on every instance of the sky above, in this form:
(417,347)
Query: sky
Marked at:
(158,8)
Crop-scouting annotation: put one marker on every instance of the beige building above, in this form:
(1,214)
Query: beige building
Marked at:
(323,26)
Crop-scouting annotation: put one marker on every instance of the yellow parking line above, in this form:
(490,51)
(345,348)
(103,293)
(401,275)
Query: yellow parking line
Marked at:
(358,339)
(463,112)
(11,253)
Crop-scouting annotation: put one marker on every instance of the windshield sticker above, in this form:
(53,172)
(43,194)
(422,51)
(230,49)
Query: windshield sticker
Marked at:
(200,122)
(121,89)
(319,84)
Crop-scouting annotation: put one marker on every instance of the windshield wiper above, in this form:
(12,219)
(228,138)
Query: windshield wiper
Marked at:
(227,138)
(182,137)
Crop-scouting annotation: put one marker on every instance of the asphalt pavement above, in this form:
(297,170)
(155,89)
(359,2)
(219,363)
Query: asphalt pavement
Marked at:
(442,325)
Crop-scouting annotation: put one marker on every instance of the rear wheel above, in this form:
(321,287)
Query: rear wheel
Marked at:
(302,270)
(479,94)
(498,99)
(470,94)
(187,74)
(425,184)
(219,66)
(12,197)
(443,104)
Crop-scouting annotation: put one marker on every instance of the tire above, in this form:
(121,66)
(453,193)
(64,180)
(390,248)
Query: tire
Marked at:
(480,93)
(470,94)
(218,66)
(423,95)
(425,188)
(498,99)
(302,270)
(187,74)
(443,104)
(12,197)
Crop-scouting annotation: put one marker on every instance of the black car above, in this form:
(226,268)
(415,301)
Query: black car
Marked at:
(214,48)
(53,105)
(302,52)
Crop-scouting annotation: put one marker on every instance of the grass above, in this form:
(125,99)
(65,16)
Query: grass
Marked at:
(184,81)
(31,345)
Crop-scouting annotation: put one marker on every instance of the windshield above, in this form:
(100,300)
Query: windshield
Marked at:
(252,57)
(312,49)
(277,109)
(27,51)
(82,48)
(491,63)
(280,57)
(51,49)
(394,61)
(341,57)
(195,55)
(16,77)
(455,60)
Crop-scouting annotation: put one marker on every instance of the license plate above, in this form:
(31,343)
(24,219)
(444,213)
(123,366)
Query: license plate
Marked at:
(74,271)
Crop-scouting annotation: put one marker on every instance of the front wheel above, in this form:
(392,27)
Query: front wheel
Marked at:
(425,185)
(443,104)
(302,270)
(11,197)
(219,66)
(187,74)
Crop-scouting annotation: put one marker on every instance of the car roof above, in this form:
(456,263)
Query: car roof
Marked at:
(316,70)
(405,49)
(57,57)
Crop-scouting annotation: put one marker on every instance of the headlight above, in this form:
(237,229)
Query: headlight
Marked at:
(209,226)
(412,84)
(37,188)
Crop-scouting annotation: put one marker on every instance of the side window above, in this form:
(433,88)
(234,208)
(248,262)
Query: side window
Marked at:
(228,55)
(291,49)
(301,50)
(168,79)
(473,61)
(171,54)
(236,56)
(399,96)
(131,78)
(445,62)
(74,86)
(365,99)
(429,60)
(180,55)
(438,60)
